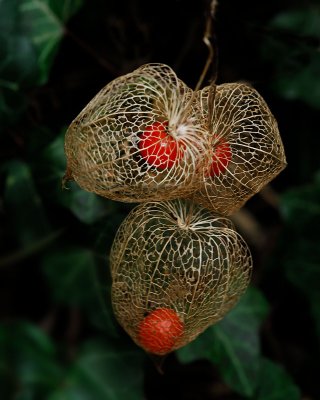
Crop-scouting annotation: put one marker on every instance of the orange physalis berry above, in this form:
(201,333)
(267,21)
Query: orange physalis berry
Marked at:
(158,148)
(159,331)
(220,158)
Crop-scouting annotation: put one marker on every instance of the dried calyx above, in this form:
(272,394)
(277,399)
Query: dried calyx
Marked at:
(139,139)
(176,269)
(246,148)
(147,136)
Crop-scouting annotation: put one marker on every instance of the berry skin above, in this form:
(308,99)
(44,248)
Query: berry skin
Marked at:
(158,148)
(159,331)
(220,158)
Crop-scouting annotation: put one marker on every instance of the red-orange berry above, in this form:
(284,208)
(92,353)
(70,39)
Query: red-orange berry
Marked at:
(159,331)
(220,158)
(159,148)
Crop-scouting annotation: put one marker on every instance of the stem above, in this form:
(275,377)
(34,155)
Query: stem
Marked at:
(158,362)
(249,227)
(22,254)
(207,40)
(66,178)
(208,33)
(270,196)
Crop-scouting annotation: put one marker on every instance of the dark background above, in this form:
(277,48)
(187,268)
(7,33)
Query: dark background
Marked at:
(54,282)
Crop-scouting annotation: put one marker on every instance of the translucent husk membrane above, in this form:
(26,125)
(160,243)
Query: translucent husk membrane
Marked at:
(177,255)
(102,143)
(238,115)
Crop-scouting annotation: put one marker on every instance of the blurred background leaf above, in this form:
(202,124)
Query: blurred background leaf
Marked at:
(297,55)
(275,383)
(73,276)
(233,344)
(43,21)
(32,368)
(22,200)
(103,371)
(86,206)
(18,63)
(30,32)
(301,210)
(29,363)
(30,228)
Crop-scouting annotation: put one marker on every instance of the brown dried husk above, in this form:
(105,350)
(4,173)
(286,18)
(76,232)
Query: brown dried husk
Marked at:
(238,114)
(101,144)
(180,256)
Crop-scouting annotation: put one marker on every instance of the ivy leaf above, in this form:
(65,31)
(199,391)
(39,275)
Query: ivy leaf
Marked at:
(30,32)
(300,84)
(43,22)
(24,204)
(275,383)
(300,207)
(301,211)
(70,272)
(104,371)
(28,361)
(233,344)
(305,21)
(295,49)
(18,63)
(73,276)
(86,206)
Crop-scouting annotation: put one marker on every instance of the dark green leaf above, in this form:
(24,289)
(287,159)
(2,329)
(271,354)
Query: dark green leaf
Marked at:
(304,21)
(300,208)
(302,267)
(104,371)
(18,63)
(8,14)
(233,344)
(65,9)
(71,273)
(24,204)
(87,207)
(17,54)
(43,22)
(314,301)
(301,83)
(275,383)
(73,276)
(28,360)
(30,32)
(26,251)
(292,42)
(12,105)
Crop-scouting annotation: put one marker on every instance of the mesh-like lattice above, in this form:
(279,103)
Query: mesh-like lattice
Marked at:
(246,146)
(178,256)
(140,138)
